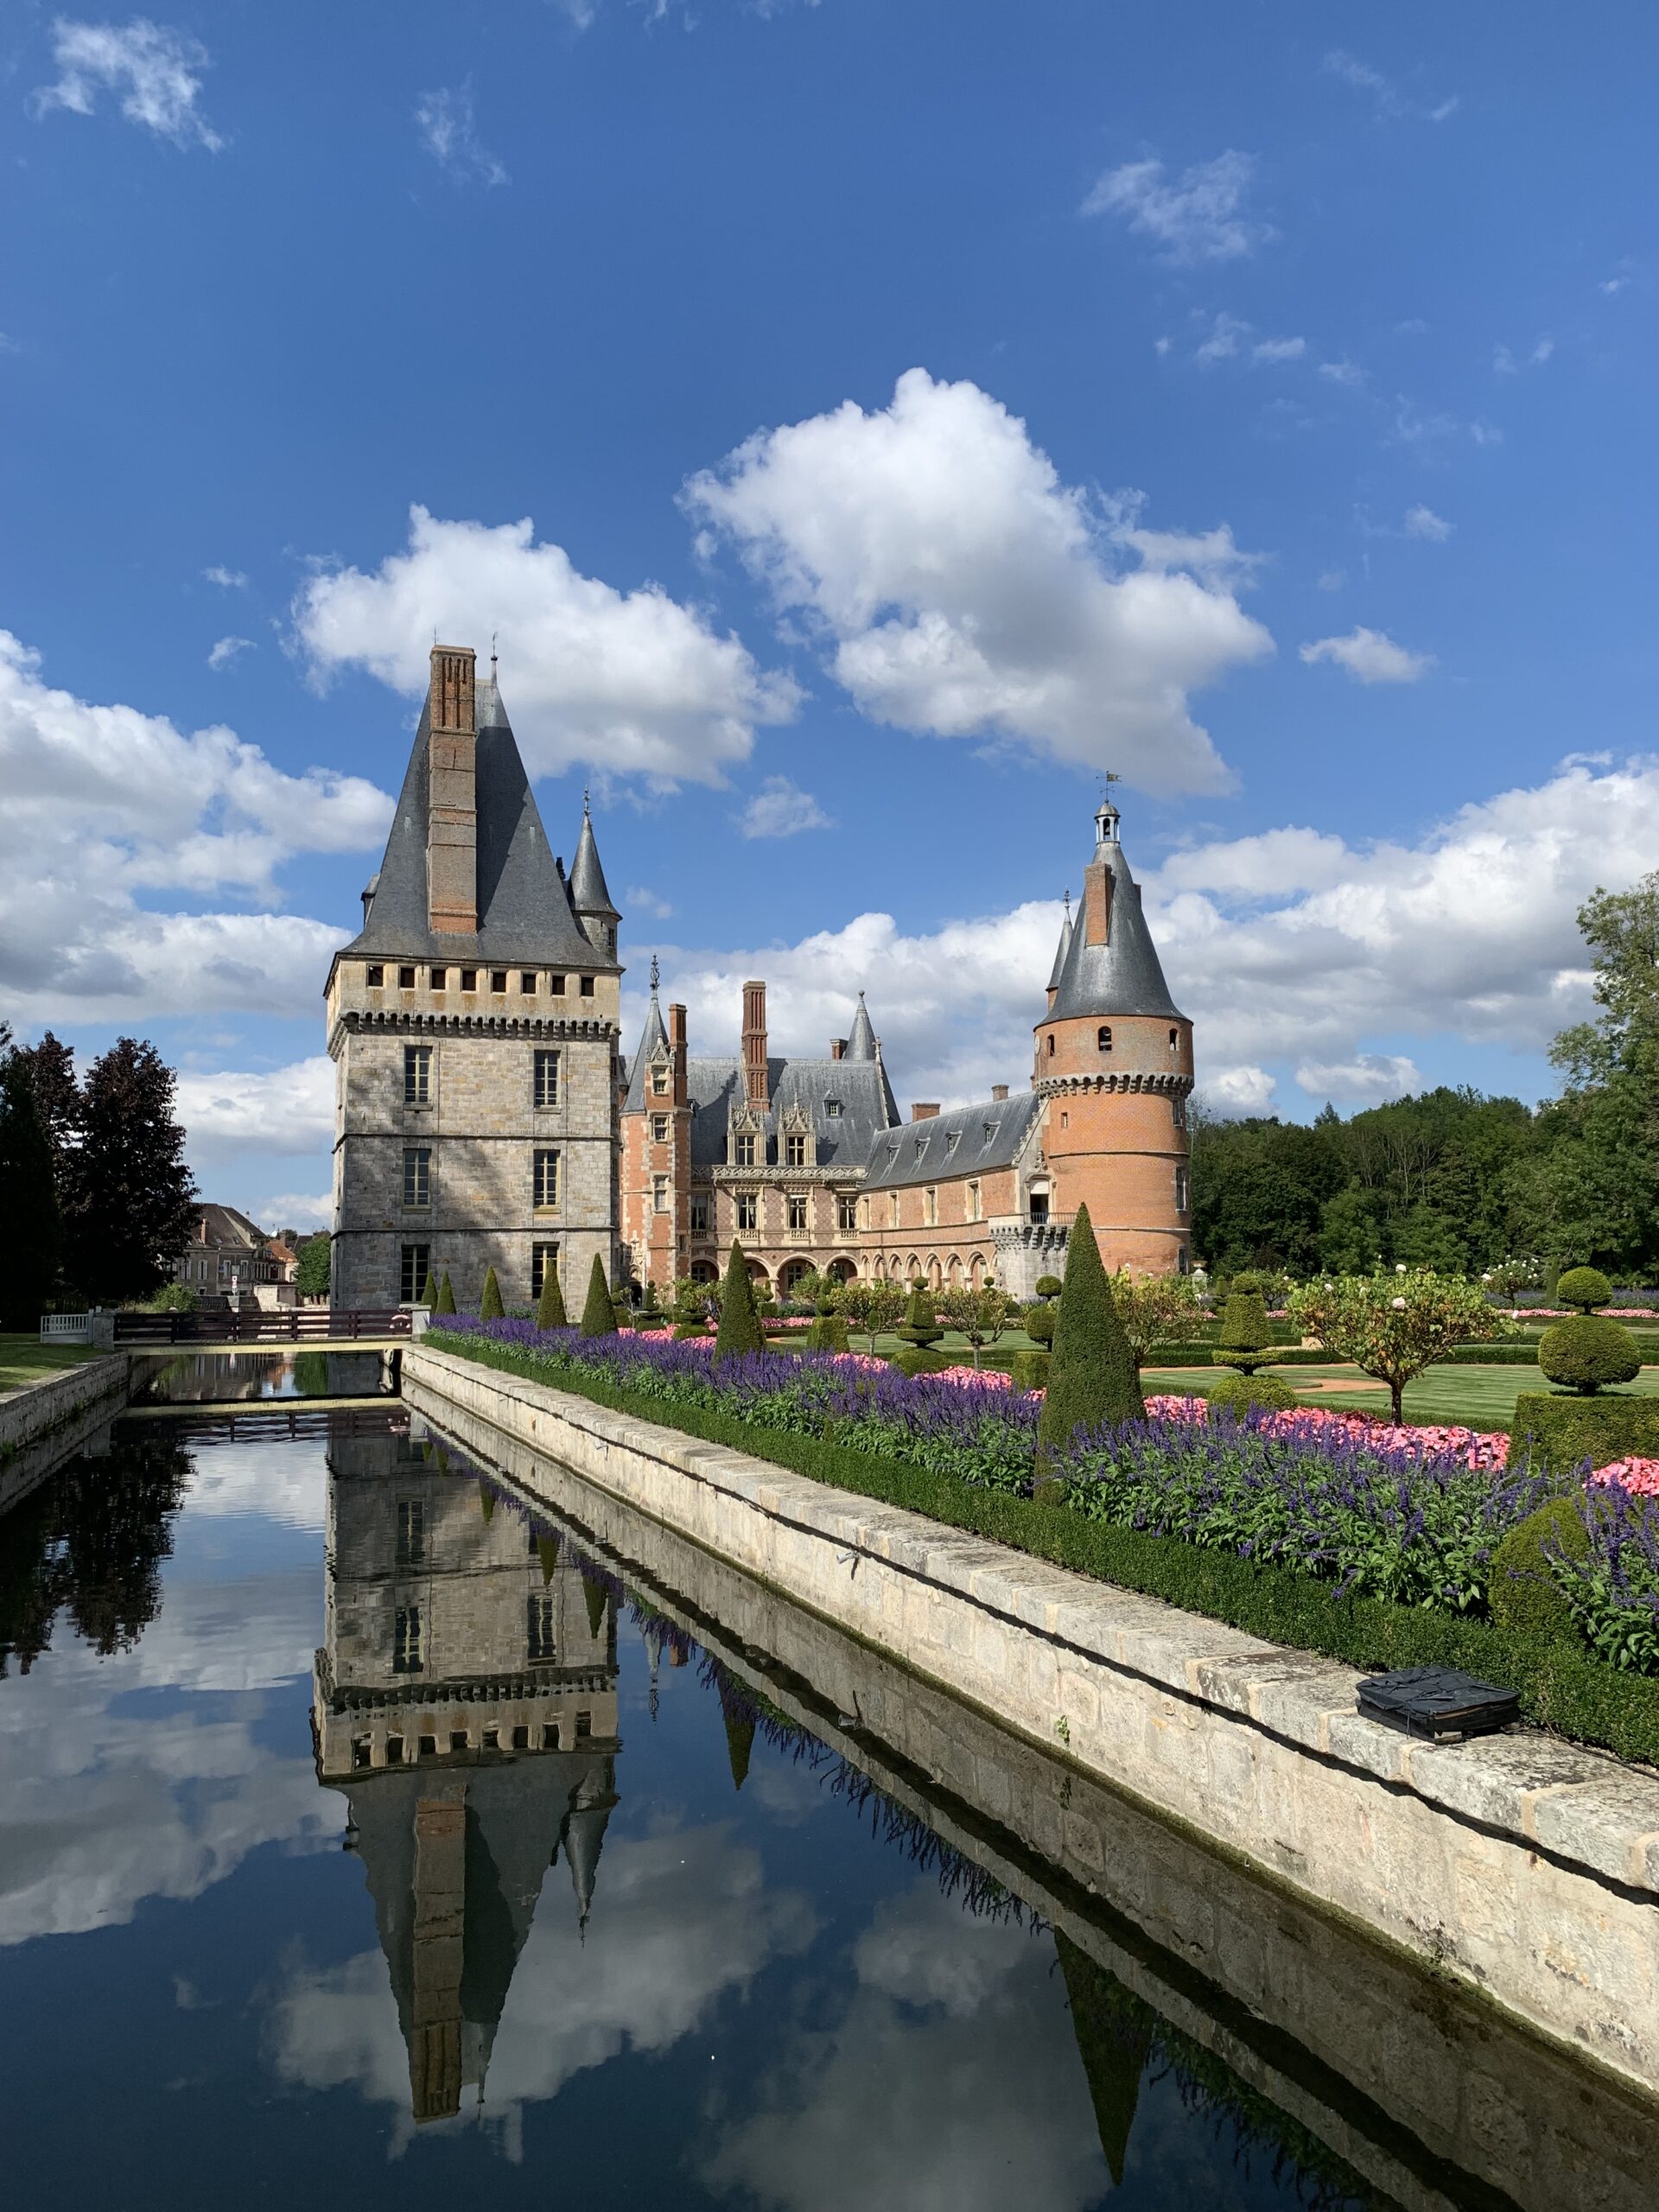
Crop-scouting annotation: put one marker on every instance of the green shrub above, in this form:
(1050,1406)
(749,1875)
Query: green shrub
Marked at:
(1092,1378)
(1585,1353)
(1244,1322)
(740,1325)
(1563,1432)
(920,1326)
(172,1298)
(549,1311)
(1239,1391)
(490,1308)
(1030,1371)
(1521,1589)
(445,1295)
(429,1291)
(1585,1287)
(827,1333)
(599,1309)
(1048,1286)
(1039,1321)
(916,1359)
(684,1329)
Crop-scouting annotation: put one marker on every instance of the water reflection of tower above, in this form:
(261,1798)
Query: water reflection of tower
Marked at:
(465,1703)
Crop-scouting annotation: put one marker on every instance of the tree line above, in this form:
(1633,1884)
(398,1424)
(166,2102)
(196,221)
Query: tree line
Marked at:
(1457,1181)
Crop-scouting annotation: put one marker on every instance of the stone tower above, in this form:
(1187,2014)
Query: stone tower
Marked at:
(473,1026)
(1115,1069)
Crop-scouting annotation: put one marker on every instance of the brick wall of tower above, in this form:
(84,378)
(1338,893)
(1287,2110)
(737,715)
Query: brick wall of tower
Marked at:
(659,1241)
(1115,1134)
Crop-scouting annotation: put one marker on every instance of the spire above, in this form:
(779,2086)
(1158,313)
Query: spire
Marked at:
(583,1838)
(861,1041)
(1064,947)
(589,895)
(1110,965)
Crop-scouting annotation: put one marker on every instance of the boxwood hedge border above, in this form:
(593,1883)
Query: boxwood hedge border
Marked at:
(1560,1686)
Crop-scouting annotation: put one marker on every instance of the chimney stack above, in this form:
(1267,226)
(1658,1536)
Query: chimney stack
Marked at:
(923,1112)
(676,1048)
(999,1092)
(756,1082)
(837,1048)
(452,795)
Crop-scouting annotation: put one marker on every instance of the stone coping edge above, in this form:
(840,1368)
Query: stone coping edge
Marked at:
(1585,1811)
(31,1409)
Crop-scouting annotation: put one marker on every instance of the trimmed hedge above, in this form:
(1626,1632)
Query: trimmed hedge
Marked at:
(1030,1371)
(1560,1685)
(1586,1354)
(1204,1353)
(1565,1429)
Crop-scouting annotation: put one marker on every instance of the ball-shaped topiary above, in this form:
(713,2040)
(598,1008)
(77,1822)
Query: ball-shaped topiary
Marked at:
(1587,1353)
(1048,1286)
(1585,1287)
(1039,1322)
(1521,1591)
(1238,1393)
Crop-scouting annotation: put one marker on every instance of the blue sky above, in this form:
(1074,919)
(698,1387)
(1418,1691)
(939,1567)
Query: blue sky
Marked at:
(863,423)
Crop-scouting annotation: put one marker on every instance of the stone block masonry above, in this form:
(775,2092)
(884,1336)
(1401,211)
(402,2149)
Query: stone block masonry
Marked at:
(45,1422)
(1524,1868)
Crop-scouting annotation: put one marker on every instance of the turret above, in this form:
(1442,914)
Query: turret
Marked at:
(590,898)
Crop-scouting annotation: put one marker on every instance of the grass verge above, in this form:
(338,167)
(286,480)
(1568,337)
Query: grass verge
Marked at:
(26,1359)
(1560,1686)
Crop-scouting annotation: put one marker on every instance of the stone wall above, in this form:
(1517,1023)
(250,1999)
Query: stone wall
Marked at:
(1520,1866)
(44,1423)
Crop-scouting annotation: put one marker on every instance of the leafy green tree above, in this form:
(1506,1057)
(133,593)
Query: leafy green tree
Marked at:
(132,1201)
(872,1307)
(1394,1326)
(740,1325)
(599,1310)
(28,1202)
(1154,1310)
(490,1308)
(313,1280)
(1092,1377)
(550,1309)
(980,1315)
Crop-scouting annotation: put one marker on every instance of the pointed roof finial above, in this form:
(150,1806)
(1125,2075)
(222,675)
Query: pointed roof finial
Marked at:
(656,975)
(494,635)
(585,807)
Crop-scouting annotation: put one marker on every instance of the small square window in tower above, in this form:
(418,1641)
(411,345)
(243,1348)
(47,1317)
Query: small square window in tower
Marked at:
(440,979)
(527,983)
(374,975)
(405,979)
(546,1182)
(546,1079)
(1103,1037)
(659,1128)
(587,991)
(417,1175)
(542,1257)
(417,1075)
(498,979)
(659,1194)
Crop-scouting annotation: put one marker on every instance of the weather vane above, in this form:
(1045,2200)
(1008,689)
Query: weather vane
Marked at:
(655,977)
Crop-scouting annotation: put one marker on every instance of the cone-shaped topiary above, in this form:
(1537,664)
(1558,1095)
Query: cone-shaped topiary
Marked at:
(445,1295)
(490,1308)
(547,1550)
(595,1592)
(920,1326)
(599,1313)
(1585,1287)
(550,1308)
(1243,1332)
(740,1742)
(1092,1377)
(740,1325)
(429,1293)
(1586,1352)
(1521,1591)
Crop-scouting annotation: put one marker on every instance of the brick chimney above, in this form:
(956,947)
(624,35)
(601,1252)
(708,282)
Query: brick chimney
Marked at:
(756,1085)
(452,796)
(676,1048)
(922,1110)
(837,1048)
(999,1092)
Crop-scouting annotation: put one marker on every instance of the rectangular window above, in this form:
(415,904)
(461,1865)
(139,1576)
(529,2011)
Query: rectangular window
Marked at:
(417,1175)
(796,1204)
(892,1211)
(547,1180)
(527,983)
(659,1128)
(1178,1112)
(540,1641)
(417,1075)
(555,985)
(407,1658)
(973,1202)
(498,979)
(1180,1190)
(405,979)
(931,1207)
(659,1080)
(795,1149)
(413,1263)
(411,1532)
(746,1209)
(440,979)
(584,1725)
(832,1109)
(542,1257)
(547,1078)
(586,987)
(469,979)
(659,1194)
(699,1215)
(745,1149)
(374,975)
(846,1213)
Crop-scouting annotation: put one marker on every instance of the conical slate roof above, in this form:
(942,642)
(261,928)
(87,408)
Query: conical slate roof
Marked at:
(524,908)
(1064,947)
(1124,975)
(588,890)
(861,1041)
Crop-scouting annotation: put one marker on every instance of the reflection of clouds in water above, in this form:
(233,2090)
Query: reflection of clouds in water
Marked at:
(680,1918)
(950,2082)
(792,1792)
(107,1809)
(272,1479)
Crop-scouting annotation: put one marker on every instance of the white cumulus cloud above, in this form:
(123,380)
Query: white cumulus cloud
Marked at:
(781,809)
(1366,1080)
(285,1111)
(227,650)
(1197,216)
(153,70)
(1370,656)
(1423,521)
(961,589)
(1236,1091)
(631,682)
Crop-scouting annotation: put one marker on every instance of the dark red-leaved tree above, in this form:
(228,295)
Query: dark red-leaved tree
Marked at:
(51,1066)
(128,1200)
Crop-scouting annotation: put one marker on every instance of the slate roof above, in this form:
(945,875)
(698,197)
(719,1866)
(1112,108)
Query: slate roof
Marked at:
(1062,948)
(589,893)
(714,1087)
(1123,975)
(986,1135)
(524,904)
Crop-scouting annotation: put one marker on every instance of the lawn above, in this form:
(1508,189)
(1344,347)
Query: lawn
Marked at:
(25,1358)
(1477,1397)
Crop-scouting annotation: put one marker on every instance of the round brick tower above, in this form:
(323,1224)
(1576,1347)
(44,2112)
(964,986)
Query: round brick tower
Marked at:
(1114,1068)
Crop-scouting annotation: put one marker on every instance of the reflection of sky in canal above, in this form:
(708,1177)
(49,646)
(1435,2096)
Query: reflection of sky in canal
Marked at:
(768,2005)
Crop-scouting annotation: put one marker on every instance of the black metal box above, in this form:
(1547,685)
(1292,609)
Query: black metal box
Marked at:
(1440,1703)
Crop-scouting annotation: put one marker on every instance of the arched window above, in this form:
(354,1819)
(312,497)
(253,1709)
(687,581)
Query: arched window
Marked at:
(1103,1037)
(1051,1043)
(1174,1040)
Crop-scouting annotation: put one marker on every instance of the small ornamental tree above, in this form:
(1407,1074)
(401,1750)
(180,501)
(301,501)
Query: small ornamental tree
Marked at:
(871,1307)
(445,1295)
(490,1308)
(920,1326)
(980,1315)
(1092,1377)
(599,1313)
(550,1306)
(1244,1343)
(1584,1289)
(1048,1286)
(1154,1310)
(1394,1326)
(429,1291)
(740,1325)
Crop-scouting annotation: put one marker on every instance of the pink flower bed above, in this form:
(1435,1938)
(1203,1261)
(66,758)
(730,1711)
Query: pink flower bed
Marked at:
(1603,1313)
(1635,1473)
(1478,1448)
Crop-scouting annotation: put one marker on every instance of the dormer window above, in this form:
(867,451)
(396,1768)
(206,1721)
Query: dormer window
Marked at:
(991,1129)
(832,1109)
(951,1142)
(795,1149)
(743,1148)
(1103,1038)
(660,1077)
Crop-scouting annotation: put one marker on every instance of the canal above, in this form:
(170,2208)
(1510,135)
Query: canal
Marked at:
(373,1832)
